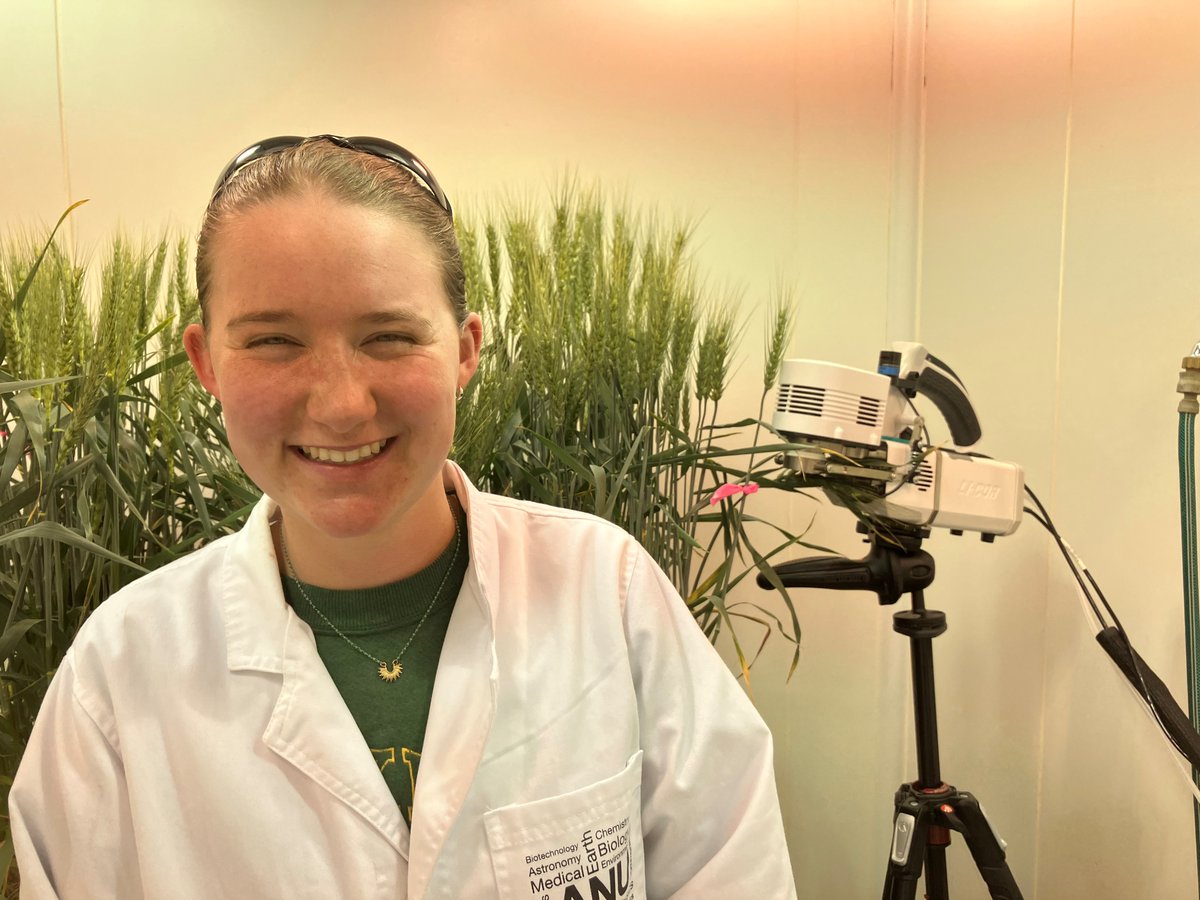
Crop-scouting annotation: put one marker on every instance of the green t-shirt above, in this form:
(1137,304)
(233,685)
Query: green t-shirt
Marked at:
(390,714)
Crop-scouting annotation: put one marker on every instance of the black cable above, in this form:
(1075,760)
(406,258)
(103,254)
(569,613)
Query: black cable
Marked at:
(1049,526)
(1115,640)
(1033,514)
(907,479)
(1133,663)
(1117,645)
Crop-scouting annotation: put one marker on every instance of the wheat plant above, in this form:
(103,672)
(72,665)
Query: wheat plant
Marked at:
(599,389)
(112,459)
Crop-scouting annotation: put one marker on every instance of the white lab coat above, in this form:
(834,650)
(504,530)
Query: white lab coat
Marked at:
(584,740)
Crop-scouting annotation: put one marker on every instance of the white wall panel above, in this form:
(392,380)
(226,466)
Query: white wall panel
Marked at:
(1122,822)
(839,725)
(997,96)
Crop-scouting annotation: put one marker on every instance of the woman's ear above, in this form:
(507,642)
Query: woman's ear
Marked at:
(195,342)
(470,339)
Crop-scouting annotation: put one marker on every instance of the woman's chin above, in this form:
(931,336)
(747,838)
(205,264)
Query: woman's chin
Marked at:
(388,512)
(348,527)
(368,518)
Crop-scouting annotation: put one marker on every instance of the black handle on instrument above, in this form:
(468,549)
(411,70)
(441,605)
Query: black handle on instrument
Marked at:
(939,383)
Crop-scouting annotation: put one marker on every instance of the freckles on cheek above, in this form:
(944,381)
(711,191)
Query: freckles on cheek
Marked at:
(250,408)
(255,412)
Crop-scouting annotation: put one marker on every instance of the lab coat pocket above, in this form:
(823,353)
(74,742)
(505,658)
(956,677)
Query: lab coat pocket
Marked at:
(581,845)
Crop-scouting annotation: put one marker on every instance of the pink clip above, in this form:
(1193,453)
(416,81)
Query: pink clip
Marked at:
(729,490)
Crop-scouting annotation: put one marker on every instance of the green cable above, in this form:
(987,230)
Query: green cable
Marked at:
(1191,599)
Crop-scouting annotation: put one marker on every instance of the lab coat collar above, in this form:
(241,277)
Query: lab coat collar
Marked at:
(310,725)
(256,613)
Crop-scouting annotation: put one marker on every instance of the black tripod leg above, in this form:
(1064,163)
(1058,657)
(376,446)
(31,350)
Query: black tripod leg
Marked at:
(985,849)
(937,887)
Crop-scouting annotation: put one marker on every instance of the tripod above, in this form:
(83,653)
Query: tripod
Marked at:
(928,809)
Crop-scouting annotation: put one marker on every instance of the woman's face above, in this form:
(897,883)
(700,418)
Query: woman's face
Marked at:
(334,352)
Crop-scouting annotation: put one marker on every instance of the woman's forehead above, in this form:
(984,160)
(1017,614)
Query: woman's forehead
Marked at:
(314,214)
(315,256)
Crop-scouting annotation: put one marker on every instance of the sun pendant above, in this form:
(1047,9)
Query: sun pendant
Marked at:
(392,672)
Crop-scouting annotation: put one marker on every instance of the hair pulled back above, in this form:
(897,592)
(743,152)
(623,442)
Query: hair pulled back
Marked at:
(352,176)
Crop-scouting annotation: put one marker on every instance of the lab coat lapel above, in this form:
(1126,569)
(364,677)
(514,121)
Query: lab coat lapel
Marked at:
(312,729)
(310,726)
(464,700)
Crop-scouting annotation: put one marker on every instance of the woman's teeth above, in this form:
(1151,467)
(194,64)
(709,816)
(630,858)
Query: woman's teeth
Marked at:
(323,454)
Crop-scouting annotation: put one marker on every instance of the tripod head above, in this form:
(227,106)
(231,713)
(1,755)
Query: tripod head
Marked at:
(894,566)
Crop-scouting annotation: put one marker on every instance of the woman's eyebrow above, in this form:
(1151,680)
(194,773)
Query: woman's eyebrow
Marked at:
(261,317)
(378,317)
(396,317)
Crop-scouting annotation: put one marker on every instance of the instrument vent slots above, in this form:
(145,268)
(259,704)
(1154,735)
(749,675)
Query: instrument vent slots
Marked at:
(809,400)
(924,477)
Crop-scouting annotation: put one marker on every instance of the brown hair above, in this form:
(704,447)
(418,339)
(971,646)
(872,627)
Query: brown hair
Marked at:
(349,175)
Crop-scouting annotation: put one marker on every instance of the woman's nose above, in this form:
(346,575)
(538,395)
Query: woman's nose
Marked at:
(340,396)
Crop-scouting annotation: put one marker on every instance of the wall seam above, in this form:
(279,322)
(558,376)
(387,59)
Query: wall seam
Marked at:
(910,23)
(1055,441)
(910,27)
(919,239)
(62,118)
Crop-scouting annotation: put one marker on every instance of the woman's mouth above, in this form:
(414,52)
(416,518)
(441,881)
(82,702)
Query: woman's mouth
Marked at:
(344,457)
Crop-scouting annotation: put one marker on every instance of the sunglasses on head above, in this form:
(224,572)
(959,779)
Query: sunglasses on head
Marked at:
(373,145)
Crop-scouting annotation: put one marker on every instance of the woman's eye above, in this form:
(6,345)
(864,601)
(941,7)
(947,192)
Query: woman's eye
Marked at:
(393,338)
(271,340)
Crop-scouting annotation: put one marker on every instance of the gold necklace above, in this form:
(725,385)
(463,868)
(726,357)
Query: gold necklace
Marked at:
(387,671)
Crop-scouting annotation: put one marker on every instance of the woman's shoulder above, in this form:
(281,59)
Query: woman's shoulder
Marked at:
(185,570)
(149,605)
(549,522)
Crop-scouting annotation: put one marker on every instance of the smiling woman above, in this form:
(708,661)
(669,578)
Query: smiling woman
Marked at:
(425,689)
(307,381)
